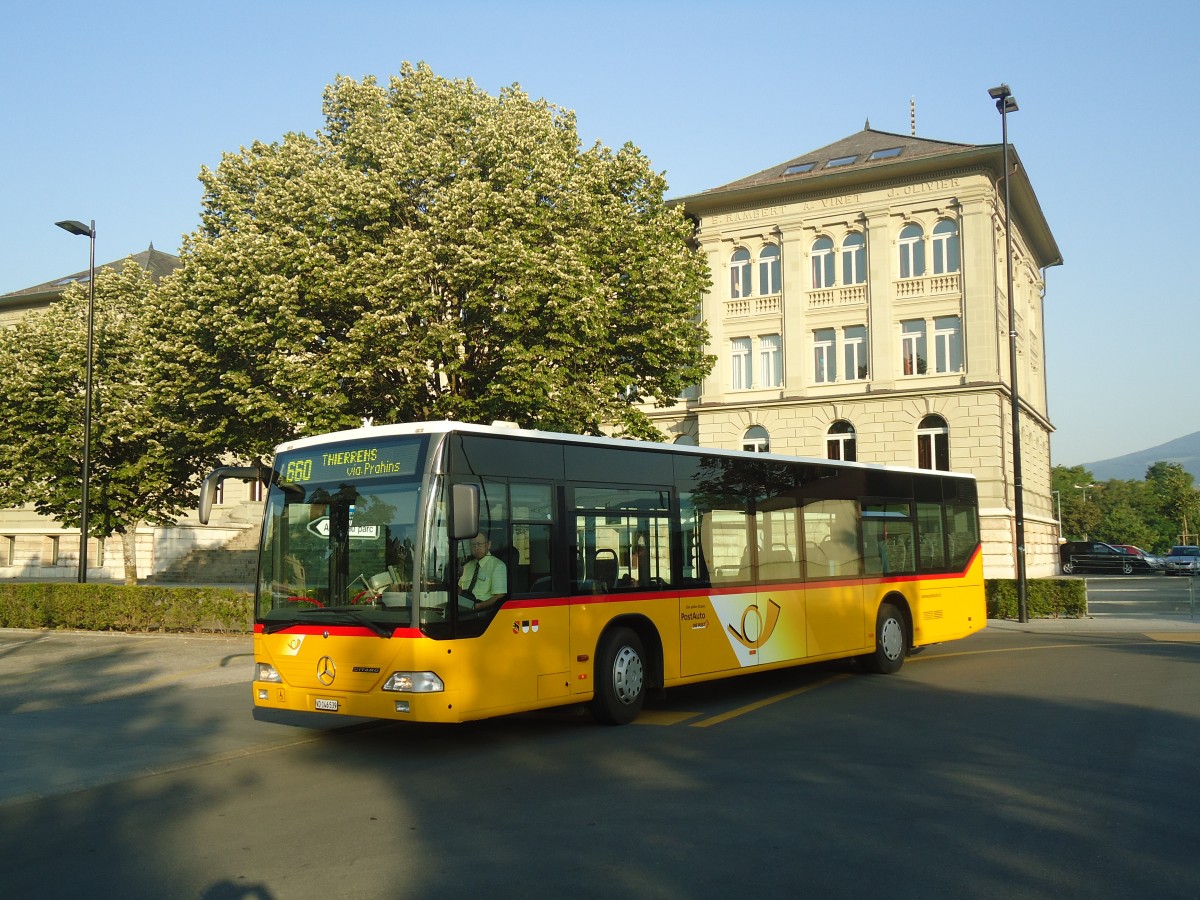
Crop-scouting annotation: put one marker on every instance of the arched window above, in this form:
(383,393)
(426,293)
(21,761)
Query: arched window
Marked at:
(739,273)
(912,251)
(768,269)
(933,444)
(854,259)
(686,440)
(822,263)
(945,247)
(840,442)
(756,440)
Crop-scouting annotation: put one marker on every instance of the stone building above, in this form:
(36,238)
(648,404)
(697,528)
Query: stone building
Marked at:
(859,310)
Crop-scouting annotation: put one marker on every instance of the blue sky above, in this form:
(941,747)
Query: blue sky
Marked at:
(112,108)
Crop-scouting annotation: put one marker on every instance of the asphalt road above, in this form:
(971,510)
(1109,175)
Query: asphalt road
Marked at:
(1045,759)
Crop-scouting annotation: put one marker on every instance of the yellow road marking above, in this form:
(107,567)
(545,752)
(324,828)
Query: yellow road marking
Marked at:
(1178,637)
(663,717)
(767,701)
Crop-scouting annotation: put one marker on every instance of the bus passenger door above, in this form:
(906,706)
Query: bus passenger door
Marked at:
(718,622)
(833,568)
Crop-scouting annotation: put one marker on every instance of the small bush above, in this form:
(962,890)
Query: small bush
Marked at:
(1045,598)
(120,607)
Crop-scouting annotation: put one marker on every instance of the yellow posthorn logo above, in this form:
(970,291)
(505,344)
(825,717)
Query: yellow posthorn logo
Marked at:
(761,633)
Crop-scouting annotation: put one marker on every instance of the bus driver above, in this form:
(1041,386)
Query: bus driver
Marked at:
(484,579)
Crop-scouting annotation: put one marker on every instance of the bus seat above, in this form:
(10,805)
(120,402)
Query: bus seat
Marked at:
(777,564)
(604,567)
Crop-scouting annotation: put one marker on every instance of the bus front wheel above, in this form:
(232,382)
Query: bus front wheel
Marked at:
(620,678)
(891,642)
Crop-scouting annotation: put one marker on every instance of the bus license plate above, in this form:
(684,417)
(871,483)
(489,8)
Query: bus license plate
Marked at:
(330,705)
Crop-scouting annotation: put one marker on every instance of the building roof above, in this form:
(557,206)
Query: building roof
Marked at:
(867,149)
(869,157)
(153,261)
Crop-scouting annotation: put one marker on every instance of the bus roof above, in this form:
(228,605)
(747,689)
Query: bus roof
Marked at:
(507,429)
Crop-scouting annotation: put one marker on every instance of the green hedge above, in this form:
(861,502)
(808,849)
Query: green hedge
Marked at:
(1045,598)
(120,607)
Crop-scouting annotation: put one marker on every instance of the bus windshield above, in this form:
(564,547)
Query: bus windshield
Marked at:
(340,534)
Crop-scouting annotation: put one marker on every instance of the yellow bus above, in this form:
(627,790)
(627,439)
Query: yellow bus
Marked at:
(442,572)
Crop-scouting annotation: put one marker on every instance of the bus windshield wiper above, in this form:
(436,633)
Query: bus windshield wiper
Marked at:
(345,615)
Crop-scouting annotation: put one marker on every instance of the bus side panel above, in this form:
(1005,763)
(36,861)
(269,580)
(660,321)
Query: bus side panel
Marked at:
(590,616)
(951,607)
(730,632)
(836,617)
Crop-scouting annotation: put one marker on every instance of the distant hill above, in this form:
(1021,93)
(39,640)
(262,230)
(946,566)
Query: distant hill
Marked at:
(1132,466)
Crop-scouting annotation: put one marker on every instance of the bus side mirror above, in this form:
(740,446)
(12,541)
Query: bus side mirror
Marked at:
(465,501)
(208,490)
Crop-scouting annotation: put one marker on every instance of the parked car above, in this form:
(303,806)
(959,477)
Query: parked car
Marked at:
(1096,556)
(1183,560)
(1155,562)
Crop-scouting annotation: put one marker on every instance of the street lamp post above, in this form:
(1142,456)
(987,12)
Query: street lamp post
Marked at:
(89,232)
(1006,103)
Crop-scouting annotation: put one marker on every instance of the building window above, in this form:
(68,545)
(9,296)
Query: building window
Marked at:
(770,361)
(912,346)
(854,259)
(756,440)
(768,270)
(742,375)
(255,491)
(854,352)
(50,550)
(945,247)
(822,263)
(739,274)
(840,442)
(933,444)
(947,344)
(8,550)
(219,494)
(824,356)
(912,252)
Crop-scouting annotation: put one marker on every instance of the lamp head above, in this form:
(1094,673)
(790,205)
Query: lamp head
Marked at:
(75,227)
(999,92)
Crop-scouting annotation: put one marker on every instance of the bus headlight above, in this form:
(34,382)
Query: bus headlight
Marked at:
(266,672)
(414,683)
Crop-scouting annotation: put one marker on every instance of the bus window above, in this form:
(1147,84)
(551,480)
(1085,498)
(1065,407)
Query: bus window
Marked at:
(964,533)
(778,540)
(887,538)
(695,568)
(532,515)
(831,538)
(725,537)
(622,539)
(932,531)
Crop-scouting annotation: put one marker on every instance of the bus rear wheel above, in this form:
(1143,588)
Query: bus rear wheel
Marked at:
(891,642)
(620,678)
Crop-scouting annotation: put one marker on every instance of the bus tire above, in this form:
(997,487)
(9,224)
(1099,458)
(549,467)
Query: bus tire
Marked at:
(620,677)
(891,642)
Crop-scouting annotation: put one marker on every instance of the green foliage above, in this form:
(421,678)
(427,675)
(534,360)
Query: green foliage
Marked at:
(142,466)
(1045,598)
(112,607)
(1152,514)
(434,253)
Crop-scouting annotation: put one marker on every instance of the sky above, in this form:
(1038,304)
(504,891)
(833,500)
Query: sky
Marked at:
(111,109)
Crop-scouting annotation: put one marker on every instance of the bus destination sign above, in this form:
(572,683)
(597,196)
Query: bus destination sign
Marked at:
(392,459)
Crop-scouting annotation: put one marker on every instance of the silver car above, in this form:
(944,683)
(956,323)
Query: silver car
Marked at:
(1183,560)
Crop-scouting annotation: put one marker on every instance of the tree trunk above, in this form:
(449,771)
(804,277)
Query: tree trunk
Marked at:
(129,545)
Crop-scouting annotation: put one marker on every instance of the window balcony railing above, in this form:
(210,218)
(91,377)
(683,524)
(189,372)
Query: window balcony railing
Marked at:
(828,298)
(752,306)
(928,286)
